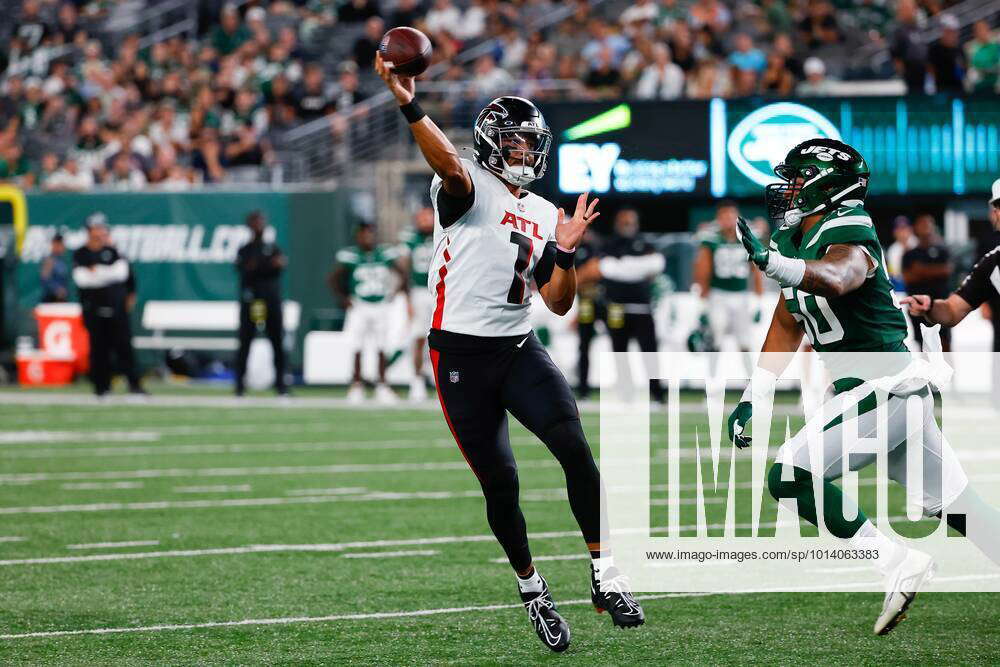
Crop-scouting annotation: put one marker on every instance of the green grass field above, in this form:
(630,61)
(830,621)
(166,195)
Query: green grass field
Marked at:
(300,535)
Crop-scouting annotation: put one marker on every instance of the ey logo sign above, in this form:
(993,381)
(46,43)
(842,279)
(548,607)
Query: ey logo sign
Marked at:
(762,139)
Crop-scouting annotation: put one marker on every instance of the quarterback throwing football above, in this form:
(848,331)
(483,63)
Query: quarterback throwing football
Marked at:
(491,238)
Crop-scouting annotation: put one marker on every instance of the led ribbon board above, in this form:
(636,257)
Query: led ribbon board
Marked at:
(634,149)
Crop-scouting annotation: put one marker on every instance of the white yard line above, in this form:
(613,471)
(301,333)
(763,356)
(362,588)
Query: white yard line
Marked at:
(415,613)
(391,554)
(341,546)
(244,426)
(175,553)
(114,545)
(335,491)
(100,486)
(204,401)
(373,496)
(218,488)
(238,448)
(12,538)
(577,556)
(156,473)
(276,548)
(33,437)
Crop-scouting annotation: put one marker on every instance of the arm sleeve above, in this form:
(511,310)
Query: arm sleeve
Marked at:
(545,265)
(451,209)
(632,269)
(983,281)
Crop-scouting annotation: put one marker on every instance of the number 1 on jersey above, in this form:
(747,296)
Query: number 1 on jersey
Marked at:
(524,248)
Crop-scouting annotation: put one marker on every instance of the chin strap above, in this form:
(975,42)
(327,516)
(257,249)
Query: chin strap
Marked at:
(794,216)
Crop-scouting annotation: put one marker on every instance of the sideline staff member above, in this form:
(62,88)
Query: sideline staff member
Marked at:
(55,273)
(629,293)
(105,283)
(260,264)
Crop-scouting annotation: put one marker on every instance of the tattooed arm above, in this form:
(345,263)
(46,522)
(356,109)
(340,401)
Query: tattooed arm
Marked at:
(842,269)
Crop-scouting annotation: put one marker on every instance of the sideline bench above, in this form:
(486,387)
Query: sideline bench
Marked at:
(163,317)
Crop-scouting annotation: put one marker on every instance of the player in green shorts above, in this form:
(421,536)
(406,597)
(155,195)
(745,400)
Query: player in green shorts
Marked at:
(417,245)
(835,290)
(724,278)
(366,277)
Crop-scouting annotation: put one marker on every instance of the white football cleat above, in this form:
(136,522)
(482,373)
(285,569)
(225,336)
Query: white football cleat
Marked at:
(356,394)
(418,390)
(385,395)
(901,586)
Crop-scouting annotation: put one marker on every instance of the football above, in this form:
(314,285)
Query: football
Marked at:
(408,49)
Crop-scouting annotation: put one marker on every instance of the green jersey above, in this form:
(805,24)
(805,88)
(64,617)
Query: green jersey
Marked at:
(420,249)
(867,319)
(730,268)
(369,273)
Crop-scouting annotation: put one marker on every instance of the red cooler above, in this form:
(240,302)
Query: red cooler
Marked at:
(35,367)
(62,335)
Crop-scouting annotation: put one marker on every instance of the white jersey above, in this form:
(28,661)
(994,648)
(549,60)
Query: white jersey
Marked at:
(483,262)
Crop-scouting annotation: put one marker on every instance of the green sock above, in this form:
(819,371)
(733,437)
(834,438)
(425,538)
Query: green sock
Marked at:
(801,489)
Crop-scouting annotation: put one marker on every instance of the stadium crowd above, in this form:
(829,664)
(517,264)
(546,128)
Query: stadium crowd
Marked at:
(88,99)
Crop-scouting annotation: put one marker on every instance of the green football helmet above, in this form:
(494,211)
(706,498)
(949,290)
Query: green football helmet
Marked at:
(818,175)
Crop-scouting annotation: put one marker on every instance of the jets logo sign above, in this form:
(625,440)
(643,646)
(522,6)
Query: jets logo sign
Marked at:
(825,153)
(763,138)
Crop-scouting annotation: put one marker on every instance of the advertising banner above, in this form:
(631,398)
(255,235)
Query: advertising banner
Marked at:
(728,148)
(628,149)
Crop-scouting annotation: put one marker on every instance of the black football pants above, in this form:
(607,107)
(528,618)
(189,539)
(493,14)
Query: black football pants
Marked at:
(110,334)
(641,327)
(590,313)
(480,380)
(274,328)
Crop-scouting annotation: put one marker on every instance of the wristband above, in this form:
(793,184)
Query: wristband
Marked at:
(787,271)
(412,111)
(564,259)
(760,386)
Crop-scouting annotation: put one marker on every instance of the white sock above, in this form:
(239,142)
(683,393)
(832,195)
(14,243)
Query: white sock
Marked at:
(601,565)
(530,584)
(870,537)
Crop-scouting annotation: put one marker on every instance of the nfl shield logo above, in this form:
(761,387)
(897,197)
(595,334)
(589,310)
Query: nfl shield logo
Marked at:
(453,376)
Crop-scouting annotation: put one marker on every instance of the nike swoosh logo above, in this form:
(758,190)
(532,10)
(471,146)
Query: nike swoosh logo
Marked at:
(523,341)
(551,639)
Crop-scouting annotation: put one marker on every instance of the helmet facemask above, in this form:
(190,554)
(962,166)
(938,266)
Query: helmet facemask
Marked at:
(519,155)
(804,193)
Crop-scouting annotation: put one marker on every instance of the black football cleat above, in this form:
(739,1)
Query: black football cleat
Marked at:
(550,627)
(612,595)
